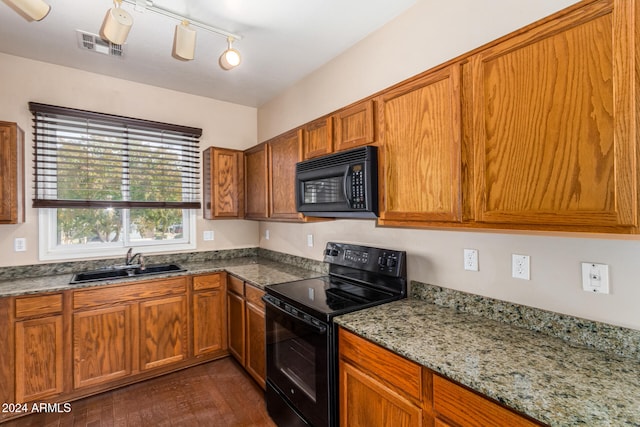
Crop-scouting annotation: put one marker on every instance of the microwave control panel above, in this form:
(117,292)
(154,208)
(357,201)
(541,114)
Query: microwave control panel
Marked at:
(358,199)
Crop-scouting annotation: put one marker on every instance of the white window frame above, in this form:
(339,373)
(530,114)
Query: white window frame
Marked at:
(50,250)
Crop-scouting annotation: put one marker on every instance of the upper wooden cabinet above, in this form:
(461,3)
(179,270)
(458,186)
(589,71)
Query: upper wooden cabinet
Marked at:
(223,172)
(284,153)
(11,174)
(555,123)
(354,126)
(420,138)
(317,138)
(256,167)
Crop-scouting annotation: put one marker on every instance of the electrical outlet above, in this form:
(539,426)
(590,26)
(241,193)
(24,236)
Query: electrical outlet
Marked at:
(471,259)
(208,235)
(267,234)
(520,266)
(595,277)
(310,240)
(20,244)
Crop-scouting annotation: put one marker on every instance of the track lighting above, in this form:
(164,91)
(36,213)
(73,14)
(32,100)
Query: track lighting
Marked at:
(230,58)
(33,9)
(117,24)
(184,42)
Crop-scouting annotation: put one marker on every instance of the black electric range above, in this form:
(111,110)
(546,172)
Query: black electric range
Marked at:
(302,352)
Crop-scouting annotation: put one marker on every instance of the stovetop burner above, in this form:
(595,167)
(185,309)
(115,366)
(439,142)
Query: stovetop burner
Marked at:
(358,277)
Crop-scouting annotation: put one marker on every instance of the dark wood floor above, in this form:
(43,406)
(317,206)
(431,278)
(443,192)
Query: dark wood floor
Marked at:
(217,393)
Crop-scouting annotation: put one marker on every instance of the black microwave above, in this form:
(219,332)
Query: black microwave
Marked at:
(343,184)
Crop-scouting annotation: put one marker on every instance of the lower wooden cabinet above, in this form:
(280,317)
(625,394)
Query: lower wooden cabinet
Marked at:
(246,327)
(62,346)
(102,340)
(381,388)
(39,353)
(209,314)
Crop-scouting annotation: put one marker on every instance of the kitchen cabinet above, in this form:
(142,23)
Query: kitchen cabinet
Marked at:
(317,138)
(554,129)
(420,135)
(284,153)
(380,388)
(122,330)
(246,327)
(255,361)
(71,344)
(12,196)
(39,353)
(354,126)
(256,166)
(209,314)
(377,387)
(223,176)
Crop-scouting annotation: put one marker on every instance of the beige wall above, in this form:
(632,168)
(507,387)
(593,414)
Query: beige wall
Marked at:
(223,124)
(428,34)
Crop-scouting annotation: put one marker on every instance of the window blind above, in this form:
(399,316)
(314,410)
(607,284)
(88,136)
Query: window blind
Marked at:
(84,159)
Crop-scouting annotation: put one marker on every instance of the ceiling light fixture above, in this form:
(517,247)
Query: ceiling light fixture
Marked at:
(116,25)
(184,42)
(230,58)
(185,37)
(33,9)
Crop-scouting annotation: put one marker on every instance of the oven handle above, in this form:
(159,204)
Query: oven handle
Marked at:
(320,329)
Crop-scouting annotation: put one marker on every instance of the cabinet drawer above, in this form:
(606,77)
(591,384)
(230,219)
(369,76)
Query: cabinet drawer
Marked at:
(38,305)
(128,292)
(467,408)
(254,295)
(382,364)
(210,281)
(236,285)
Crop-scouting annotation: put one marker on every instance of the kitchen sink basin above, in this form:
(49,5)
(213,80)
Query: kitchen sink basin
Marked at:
(122,271)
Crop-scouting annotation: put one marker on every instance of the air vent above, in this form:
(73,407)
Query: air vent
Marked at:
(94,43)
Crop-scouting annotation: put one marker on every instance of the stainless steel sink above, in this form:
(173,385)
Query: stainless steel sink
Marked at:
(122,271)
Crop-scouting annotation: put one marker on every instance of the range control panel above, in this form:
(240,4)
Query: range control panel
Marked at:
(375,260)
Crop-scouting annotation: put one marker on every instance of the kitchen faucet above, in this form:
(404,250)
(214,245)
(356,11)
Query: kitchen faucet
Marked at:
(129,258)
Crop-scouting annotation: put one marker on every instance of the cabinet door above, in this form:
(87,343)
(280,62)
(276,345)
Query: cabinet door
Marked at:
(367,402)
(236,326)
(420,134)
(223,183)
(256,171)
(317,138)
(555,123)
(209,331)
(163,331)
(256,343)
(39,358)
(284,154)
(11,174)
(101,345)
(354,126)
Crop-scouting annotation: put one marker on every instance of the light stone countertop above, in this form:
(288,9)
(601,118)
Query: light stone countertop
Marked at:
(255,270)
(549,379)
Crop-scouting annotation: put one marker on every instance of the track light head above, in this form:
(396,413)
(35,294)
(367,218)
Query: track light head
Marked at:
(184,42)
(116,25)
(230,58)
(34,10)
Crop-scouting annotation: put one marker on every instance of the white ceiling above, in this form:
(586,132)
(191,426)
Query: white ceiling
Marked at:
(282,41)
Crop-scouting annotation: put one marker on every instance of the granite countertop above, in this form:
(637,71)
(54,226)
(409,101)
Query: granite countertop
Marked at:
(549,379)
(255,270)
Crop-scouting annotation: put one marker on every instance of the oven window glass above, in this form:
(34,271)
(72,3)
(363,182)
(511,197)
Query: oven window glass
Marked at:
(295,358)
(297,363)
(325,190)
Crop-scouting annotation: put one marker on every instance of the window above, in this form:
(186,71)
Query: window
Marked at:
(105,182)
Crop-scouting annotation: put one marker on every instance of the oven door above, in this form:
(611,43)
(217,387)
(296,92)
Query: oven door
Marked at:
(297,363)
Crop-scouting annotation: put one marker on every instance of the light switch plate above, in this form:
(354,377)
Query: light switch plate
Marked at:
(208,235)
